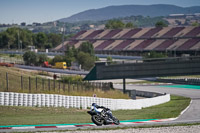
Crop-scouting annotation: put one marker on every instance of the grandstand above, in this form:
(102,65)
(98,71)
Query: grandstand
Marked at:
(134,41)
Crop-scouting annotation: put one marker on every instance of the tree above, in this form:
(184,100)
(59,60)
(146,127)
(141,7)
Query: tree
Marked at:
(161,24)
(109,59)
(30,58)
(115,24)
(54,39)
(86,61)
(48,46)
(87,47)
(129,25)
(195,24)
(70,55)
(41,59)
(41,40)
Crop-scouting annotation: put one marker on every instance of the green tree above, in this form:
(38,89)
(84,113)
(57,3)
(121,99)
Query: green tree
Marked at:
(195,24)
(54,39)
(30,58)
(161,24)
(70,55)
(41,40)
(13,36)
(129,25)
(115,24)
(25,37)
(41,59)
(48,46)
(87,47)
(109,59)
(86,61)
(7,40)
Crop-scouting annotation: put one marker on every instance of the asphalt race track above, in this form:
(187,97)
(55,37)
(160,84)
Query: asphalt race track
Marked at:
(190,115)
(52,70)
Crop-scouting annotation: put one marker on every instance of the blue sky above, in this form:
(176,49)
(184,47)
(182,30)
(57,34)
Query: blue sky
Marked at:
(29,11)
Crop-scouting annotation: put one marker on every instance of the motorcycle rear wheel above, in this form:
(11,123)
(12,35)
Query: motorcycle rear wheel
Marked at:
(97,120)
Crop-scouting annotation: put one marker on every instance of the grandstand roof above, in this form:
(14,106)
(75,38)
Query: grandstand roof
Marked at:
(138,39)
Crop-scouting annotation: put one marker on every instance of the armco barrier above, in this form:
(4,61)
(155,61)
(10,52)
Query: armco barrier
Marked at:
(50,100)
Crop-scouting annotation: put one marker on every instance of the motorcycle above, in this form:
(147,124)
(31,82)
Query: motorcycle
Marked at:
(102,116)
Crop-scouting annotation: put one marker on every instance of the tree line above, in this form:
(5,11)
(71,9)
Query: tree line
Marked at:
(14,37)
(84,55)
(119,24)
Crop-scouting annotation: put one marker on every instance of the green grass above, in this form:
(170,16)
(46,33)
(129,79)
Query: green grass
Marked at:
(168,110)
(37,115)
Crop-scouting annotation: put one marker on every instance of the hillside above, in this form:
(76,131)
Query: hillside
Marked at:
(130,10)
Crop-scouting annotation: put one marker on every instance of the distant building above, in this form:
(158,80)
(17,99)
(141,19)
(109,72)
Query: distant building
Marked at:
(36,24)
(91,26)
(23,24)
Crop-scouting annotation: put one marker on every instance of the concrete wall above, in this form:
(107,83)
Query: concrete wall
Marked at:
(51,100)
(167,67)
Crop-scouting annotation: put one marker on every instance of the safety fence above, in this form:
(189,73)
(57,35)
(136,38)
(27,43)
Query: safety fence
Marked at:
(28,84)
(51,100)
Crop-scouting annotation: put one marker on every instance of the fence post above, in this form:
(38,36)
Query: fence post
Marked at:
(88,84)
(36,83)
(63,85)
(54,85)
(29,79)
(59,86)
(43,84)
(73,84)
(68,85)
(49,85)
(7,81)
(77,86)
(22,82)
(82,85)
(93,86)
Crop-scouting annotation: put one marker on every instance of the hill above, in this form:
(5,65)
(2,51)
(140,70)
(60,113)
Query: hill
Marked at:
(130,10)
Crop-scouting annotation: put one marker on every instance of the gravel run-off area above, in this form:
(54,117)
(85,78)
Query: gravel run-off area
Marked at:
(172,129)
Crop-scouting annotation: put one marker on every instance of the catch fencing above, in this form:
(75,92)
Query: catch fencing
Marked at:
(28,84)
(51,100)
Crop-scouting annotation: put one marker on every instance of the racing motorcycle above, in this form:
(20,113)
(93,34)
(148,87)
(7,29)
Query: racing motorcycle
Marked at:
(102,116)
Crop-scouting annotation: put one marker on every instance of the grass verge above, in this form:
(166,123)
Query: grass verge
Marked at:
(35,115)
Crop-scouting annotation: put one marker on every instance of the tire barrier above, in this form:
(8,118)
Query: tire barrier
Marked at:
(81,102)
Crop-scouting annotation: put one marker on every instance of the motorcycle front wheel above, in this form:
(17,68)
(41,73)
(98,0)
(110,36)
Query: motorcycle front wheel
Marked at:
(97,120)
(116,121)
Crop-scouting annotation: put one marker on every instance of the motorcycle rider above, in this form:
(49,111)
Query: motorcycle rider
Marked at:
(96,107)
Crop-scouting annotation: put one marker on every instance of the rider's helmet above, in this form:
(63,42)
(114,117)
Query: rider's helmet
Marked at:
(94,104)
